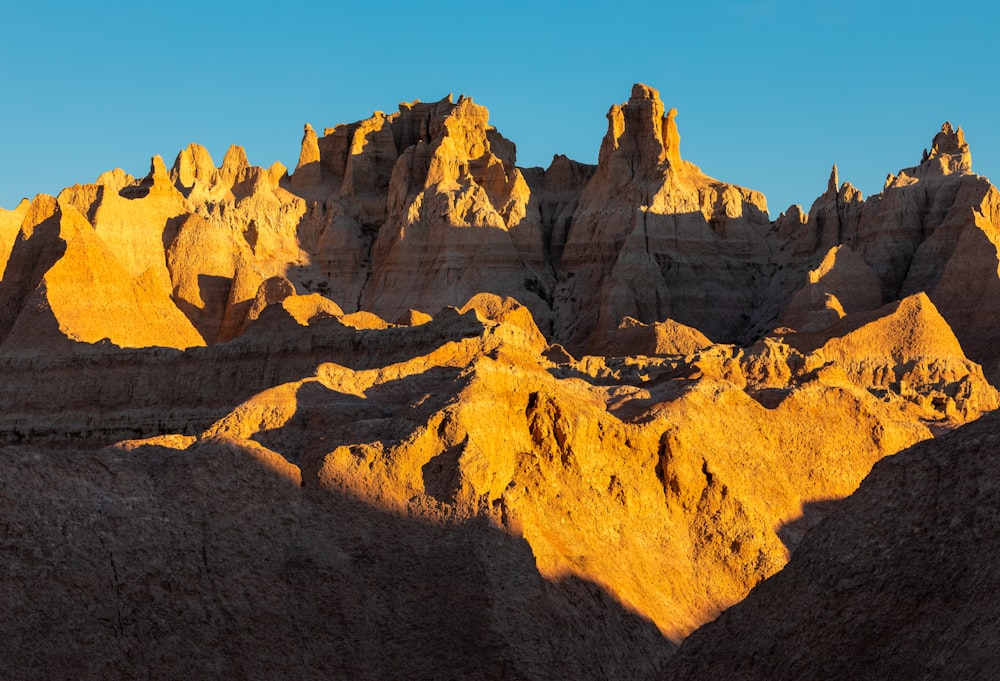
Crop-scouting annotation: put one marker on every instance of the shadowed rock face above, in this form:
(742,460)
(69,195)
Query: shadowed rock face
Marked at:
(459,480)
(899,582)
(143,563)
(416,412)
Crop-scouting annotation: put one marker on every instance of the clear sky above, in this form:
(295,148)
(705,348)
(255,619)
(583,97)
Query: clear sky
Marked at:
(770,93)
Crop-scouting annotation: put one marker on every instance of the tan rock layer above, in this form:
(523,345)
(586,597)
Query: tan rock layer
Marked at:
(621,474)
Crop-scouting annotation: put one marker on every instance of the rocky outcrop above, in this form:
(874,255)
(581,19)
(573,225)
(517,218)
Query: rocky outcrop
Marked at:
(105,393)
(906,348)
(64,283)
(842,283)
(931,229)
(638,442)
(215,560)
(632,337)
(459,222)
(654,238)
(898,581)
(424,208)
(10,225)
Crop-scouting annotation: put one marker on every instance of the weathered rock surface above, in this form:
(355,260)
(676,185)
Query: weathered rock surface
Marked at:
(899,582)
(632,337)
(932,229)
(424,208)
(654,238)
(447,417)
(906,348)
(609,473)
(10,225)
(64,283)
(842,283)
(142,561)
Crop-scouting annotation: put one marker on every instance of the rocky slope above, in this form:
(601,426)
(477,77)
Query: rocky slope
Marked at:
(449,417)
(899,582)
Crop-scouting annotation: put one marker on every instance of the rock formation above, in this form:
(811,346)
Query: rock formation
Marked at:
(899,581)
(932,229)
(653,237)
(414,411)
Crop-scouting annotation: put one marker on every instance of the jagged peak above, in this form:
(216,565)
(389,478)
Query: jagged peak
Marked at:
(115,180)
(42,208)
(308,171)
(950,143)
(278,172)
(193,163)
(837,191)
(949,153)
(158,180)
(794,214)
(643,127)
(418,104)
(157,169)
(235,159)
(641,91)
(309,152)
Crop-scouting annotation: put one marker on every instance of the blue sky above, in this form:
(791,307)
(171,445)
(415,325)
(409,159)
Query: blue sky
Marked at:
(770,93)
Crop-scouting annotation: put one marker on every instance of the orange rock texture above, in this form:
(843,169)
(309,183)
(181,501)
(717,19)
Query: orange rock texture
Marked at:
(447,417)
(899,581)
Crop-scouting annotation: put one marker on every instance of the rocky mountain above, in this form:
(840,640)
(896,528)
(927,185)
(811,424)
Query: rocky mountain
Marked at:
(414,411)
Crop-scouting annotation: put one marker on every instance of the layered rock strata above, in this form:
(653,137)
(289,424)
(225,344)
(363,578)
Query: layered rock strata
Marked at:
(446,416)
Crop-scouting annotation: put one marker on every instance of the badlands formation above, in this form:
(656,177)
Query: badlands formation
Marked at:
(412,411)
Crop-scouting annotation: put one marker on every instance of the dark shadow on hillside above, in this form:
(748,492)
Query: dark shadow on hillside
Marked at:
(901,582)
(794,531)
(211,564)
(388,413)
(94,395)
(769,398)
(653,386)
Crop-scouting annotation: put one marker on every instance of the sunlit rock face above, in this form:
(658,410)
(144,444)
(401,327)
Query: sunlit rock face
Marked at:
(422,209)
(412,411)
(898,582)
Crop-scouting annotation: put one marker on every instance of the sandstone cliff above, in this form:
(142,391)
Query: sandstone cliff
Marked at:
(425,207)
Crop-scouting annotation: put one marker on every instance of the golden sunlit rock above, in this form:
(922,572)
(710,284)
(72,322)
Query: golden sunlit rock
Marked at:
(413,411)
